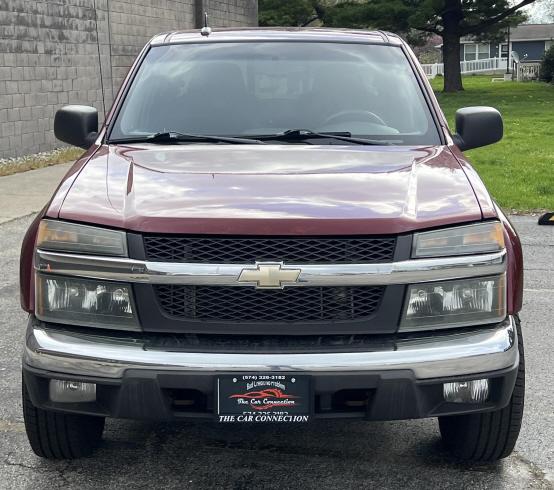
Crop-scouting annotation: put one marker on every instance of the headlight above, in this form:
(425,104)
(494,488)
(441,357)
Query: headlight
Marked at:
(458,303)
(61,236)
(85,302)
(461,240)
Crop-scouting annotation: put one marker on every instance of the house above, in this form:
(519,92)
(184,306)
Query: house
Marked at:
(529,41)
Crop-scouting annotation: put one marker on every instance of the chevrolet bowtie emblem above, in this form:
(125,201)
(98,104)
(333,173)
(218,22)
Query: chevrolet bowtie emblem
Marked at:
(269,275)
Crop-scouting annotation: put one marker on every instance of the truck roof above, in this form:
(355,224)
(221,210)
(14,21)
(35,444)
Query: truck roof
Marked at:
(278,34)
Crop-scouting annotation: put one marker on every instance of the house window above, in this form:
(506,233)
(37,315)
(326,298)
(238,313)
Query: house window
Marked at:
(483,51)
(504,50)
(476,51)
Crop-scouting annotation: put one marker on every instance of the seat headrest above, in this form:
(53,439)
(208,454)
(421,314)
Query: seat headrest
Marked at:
(217,77)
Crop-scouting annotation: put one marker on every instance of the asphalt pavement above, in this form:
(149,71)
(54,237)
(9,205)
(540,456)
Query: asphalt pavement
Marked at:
(339,454)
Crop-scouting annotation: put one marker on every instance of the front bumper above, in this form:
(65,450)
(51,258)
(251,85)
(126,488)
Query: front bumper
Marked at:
(397,381)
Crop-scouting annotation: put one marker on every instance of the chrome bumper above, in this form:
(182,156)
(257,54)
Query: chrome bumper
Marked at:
(454,354)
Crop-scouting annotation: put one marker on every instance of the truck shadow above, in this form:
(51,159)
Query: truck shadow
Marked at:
(320,455)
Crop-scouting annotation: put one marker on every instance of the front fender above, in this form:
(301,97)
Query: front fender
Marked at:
(514,272)
(26,276)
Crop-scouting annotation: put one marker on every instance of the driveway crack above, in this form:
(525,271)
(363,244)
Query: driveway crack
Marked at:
(60,471)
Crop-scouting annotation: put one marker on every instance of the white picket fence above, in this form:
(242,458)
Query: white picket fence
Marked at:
(528,71)
(468,67)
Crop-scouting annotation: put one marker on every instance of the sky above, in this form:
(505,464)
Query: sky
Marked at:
(542,11)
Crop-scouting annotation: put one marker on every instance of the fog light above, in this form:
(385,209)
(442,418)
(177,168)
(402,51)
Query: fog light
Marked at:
(72,391)
(476,391)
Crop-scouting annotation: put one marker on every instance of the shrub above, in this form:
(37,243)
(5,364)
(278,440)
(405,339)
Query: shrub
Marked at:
(547,66)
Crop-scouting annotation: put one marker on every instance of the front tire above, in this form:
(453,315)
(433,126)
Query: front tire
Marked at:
(54,435)
(490,436)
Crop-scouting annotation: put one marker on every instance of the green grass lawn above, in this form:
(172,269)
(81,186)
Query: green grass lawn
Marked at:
(518,171)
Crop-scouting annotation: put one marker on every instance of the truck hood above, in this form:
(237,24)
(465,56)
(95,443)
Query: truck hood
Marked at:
(273,189)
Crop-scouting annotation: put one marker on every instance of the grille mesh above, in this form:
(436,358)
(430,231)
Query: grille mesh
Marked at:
(290,305)
(299,250)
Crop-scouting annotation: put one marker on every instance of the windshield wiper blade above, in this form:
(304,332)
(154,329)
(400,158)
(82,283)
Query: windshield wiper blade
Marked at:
(176,137)
(306,134)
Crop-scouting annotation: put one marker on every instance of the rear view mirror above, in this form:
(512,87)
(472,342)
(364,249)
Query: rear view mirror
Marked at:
(478,126)
(76,125)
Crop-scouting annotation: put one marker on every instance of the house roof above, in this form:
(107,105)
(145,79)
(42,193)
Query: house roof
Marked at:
(526,32)
(532,31)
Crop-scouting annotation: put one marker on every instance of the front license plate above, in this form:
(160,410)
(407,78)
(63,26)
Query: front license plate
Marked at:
(259,398)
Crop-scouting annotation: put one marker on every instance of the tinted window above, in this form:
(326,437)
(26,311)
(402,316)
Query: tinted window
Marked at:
(269,87)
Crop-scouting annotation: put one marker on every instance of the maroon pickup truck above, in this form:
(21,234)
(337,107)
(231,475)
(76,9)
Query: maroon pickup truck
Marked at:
(273,226)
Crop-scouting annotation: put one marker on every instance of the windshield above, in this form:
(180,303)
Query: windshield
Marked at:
(264,88)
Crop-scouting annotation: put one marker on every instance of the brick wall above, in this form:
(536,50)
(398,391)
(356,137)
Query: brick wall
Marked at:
(58,52)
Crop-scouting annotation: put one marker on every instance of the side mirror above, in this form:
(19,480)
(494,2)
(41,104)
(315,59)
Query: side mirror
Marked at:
(478,126)
(76,125)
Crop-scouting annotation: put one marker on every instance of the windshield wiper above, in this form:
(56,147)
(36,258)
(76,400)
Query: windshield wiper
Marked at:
(177,137)
(306,134)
